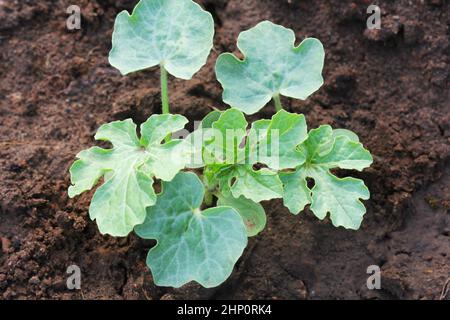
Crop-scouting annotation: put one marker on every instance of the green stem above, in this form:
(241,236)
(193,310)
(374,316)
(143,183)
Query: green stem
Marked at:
(165,96)
(208,198)
(164,91)
(277,100)
(209,190)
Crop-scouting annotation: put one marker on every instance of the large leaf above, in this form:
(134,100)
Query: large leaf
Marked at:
(325,150)
(275,142)
(251,212)
(272,66)
(128,170)
(193,245)
(177,34)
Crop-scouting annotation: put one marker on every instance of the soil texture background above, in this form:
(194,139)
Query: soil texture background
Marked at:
(390,86)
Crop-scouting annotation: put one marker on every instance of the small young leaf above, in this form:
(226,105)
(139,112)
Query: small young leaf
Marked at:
(243,180)
(256,185)
(175,33)
(193,245)
(274,142)
(346,133)
(272,66)
(128,169)
(228,161)
(335,151)
(251,212)
(320,142)
(210,118)
(196,140)
(228,132)
(325,150)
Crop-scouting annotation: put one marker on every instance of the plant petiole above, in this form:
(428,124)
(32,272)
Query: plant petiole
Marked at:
(164,95)
(277,100)
(164,91)
(208,198)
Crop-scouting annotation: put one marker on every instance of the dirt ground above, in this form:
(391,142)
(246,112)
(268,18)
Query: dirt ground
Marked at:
(389,86)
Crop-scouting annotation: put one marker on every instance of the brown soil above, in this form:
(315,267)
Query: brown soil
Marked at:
(390,86)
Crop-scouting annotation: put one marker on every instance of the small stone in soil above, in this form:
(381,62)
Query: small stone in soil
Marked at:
(34,280)
(6,244)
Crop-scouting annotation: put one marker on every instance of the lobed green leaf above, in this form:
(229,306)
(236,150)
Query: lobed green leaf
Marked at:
(273,65)
(274,142)
(326,149)
(177,34)
(193,245)
(128,168)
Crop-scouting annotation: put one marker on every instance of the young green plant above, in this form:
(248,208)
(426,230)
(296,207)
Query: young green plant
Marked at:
(201,225)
